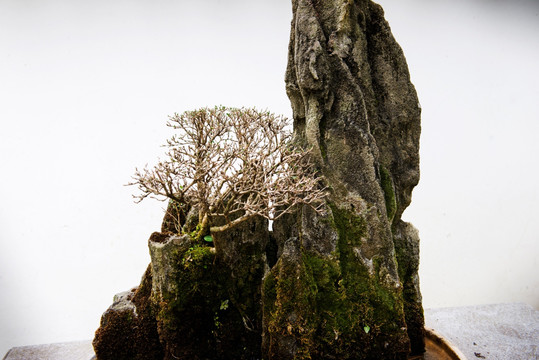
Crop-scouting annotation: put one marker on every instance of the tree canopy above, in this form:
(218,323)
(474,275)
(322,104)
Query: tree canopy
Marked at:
(233,164)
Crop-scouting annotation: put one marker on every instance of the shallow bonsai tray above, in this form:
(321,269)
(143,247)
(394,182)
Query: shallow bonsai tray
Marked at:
(438,348)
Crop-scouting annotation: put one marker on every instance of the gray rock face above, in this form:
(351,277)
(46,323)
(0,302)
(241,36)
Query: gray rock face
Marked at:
(164,272)
(354,105)
(352,98)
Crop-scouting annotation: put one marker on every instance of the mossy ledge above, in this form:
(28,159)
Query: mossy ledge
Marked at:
(199,304)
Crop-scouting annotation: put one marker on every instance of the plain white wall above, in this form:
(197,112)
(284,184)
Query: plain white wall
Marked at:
(474,64)
(85,88)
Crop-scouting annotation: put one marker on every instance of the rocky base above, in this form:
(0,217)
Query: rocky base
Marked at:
(197,301)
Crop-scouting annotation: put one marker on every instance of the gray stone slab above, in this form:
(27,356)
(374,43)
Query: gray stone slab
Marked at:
(78,350)
(493,332)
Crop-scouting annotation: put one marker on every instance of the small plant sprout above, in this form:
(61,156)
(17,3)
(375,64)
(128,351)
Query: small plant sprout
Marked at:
(232,164)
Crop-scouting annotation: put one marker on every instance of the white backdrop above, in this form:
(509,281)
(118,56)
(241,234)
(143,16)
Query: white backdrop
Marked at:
(85,88)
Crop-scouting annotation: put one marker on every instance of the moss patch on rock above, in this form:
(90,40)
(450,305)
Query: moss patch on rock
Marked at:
(207,313)
(327,307)
(128,329)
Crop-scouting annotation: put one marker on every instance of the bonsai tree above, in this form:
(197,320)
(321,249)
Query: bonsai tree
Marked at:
(232,164)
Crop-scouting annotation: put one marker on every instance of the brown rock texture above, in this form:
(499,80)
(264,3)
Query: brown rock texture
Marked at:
(128,329)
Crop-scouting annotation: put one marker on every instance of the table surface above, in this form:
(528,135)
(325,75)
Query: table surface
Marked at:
(493,332)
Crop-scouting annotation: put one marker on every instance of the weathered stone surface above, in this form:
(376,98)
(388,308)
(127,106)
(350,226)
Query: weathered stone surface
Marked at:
(242,251)
(336,305)
(204,300)
(185,292)
(128,329)
(208,298)
(288,305)
(354,104)
(406,239)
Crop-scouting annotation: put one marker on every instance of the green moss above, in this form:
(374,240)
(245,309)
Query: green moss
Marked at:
(331,305)
(389,193)
(289,309)
(210,309)
(193,279)
(270,293)
(369,302)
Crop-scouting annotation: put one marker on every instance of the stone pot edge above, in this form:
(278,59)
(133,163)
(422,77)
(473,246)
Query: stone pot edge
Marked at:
(444,343)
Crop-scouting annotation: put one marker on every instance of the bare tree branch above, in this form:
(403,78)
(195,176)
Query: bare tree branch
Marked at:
(232,163)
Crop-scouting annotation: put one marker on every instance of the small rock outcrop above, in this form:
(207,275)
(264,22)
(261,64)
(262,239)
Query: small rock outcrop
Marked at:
(128,328)
(338,285)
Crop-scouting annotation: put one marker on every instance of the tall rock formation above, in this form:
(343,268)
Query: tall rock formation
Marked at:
(341,285)
(346,285)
